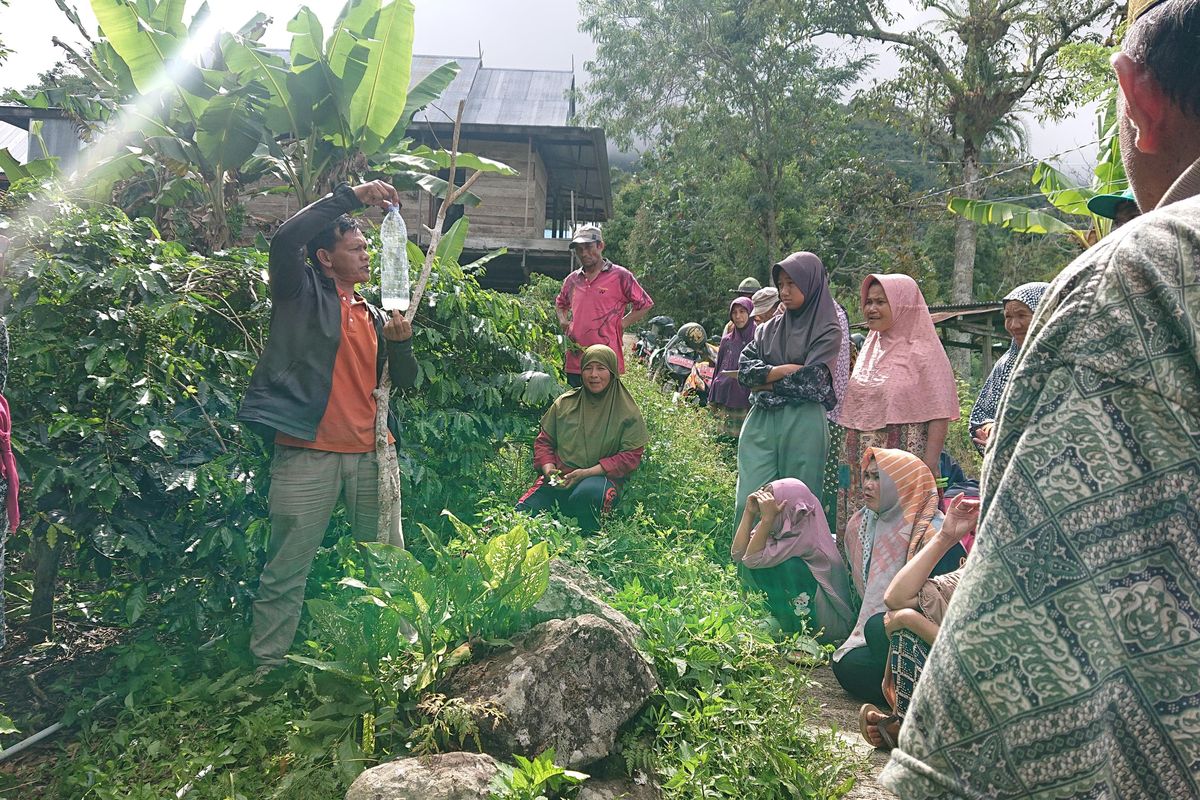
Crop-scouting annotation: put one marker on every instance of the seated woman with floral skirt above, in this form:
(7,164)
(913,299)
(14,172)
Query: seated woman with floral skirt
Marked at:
(899,517)
(790,555)
(917,598)
(591,439)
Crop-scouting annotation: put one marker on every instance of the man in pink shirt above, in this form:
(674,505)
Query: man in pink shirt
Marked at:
(592,304)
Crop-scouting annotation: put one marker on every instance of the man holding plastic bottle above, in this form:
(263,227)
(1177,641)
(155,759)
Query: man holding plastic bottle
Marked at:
(311,395)
(591,306)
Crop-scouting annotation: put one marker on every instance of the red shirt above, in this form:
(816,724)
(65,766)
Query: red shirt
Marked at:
(597,307)
(616,467)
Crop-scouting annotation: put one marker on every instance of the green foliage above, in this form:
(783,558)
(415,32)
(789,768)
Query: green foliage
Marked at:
(1060,192)
(538,779)
(477,351)
(451,722)
(134,357)
(133,353)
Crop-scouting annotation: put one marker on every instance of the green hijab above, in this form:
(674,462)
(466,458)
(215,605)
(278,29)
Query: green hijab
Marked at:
(586,427)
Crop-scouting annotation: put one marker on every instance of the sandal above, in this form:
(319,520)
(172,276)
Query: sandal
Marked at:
(889,739)
(881,727)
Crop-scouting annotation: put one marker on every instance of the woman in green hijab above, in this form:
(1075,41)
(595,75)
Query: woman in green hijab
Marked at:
(591,439)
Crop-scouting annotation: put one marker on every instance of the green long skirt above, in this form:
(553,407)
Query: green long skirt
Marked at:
(787,442)
(790,588)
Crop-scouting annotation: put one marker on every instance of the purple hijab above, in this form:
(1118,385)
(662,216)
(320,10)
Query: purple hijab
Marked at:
(812,334)
(801,531)
(725,390)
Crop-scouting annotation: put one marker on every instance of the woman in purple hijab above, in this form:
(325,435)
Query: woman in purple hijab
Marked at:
(790,555)
(727,399)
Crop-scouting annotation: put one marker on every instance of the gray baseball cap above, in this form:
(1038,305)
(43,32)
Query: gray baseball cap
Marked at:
(585,234)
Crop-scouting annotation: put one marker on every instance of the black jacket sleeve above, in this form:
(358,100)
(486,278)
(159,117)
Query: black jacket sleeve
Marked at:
(289,257)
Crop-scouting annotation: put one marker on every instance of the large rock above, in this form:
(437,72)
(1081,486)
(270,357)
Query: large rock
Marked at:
(568,684)
(574,591)
(448,776)
(619,789)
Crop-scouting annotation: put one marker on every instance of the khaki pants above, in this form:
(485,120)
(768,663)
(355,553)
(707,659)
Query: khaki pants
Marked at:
(305,486)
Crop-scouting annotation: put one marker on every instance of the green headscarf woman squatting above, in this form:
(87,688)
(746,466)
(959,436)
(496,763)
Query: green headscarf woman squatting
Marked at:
(591,438)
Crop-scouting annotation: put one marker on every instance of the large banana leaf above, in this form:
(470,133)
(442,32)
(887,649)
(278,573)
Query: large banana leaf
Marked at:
(450,246)
(143,49)
(1012,216)
(379,100)
(167,16)
(308,38)
(252,63)
(353,24)
(1061,190)
(228,132)
(464,161)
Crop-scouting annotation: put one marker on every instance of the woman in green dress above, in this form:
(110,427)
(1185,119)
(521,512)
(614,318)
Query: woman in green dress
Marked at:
(789,366)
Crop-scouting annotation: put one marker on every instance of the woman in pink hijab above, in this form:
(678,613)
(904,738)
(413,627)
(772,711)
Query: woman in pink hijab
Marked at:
(902,393)
(783,547)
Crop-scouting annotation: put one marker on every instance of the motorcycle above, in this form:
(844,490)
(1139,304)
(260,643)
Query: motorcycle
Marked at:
(700,379)
(659,330)
(674,362)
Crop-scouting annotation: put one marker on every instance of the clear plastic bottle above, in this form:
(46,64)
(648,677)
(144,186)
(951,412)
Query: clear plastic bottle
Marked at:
(393,272)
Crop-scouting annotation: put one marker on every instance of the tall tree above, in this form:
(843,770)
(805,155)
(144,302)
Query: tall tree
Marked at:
(976,66)
(744,72)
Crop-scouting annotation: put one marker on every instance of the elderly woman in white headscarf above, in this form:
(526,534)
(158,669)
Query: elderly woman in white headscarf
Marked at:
(1019,307)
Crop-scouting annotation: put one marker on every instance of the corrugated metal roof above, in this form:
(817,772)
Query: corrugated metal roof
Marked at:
(443,109)
(499,96)
(16,140)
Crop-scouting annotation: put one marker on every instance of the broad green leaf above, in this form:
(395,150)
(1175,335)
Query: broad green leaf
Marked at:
(451,245)
(353,24)
(251,62)
(464,161)
(1012,216)
(428,89)
(228,132)
(1061,190)
(6,725)
(168,16)
(12,168)
(143,49)
(479,263)
(380,97)
(308,40)
(405,180)
(135,603)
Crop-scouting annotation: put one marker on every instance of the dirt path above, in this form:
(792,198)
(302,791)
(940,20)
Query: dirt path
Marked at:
(839,713)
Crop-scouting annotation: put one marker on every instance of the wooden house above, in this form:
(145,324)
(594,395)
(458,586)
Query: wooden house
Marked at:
(524,118)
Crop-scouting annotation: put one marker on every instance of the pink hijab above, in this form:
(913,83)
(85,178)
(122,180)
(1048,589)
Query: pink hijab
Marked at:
(801,531)
(902,374)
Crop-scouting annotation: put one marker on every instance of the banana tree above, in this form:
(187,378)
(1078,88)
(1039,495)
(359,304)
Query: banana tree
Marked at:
(339,107)
(1068,200)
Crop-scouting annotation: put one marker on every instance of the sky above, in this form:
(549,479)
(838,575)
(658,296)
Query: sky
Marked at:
(525,34)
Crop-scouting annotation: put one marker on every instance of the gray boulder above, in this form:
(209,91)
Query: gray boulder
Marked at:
(619,789)
(447,776)
(568,684)
(574,591)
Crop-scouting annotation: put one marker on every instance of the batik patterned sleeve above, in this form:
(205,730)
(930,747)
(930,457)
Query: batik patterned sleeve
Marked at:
(752,370)
(812,383)
(1078,610)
